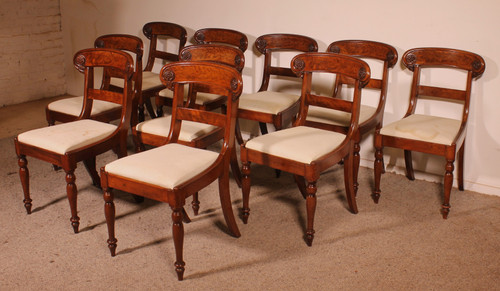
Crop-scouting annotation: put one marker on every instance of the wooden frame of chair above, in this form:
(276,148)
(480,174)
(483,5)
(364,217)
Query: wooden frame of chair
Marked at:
(96,137)
(125,42)
(426,58)
(154,31)
(363,49)
(268,45)
(217,79)
(322,148)
(208,36)
(198,137)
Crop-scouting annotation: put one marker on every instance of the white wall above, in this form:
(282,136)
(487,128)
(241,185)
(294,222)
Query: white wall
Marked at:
(31,51)
(467,25)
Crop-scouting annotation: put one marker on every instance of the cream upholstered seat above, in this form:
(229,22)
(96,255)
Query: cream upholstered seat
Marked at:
(427,128)
(437,135)
(306,151)
(64,145)
(172,172)
(67,136)
(69,109)
(166,166)
(73,106)
(301,143)
(337,117)
(269,102)
(160,126)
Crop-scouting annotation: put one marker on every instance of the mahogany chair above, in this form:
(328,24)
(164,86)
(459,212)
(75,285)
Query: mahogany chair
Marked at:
(66,144)
(214,36)
(267,106)
(307,151)
(426,133)
(69,109)
(173,172)
(370,117)
(154,132)
(158,33)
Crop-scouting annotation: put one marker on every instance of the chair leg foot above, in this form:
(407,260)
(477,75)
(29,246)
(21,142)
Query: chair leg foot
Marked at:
(112,246)
(375,197)
(75,223)
(445,210)
(179,269)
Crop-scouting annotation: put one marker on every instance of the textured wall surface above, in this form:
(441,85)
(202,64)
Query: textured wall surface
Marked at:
(31,51)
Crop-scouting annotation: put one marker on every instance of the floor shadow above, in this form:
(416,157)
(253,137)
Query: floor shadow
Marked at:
(55,201)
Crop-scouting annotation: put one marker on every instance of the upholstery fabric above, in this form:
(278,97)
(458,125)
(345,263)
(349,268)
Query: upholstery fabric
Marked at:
(166,166)
(73,106)
(302,143)
(161,126)
(427,128)
(64,137)
(267,101)
(337,117)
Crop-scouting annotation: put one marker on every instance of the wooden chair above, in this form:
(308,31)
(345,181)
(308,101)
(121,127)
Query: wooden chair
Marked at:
(214,36)
(173,172)
(307,151)
(156,32)
(370,117)
(66,144)
(267,106)
(154,132)
(426,133)
(69,109)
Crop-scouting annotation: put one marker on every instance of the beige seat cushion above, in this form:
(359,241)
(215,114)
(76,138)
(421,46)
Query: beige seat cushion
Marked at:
(161,126)
(64,137)
(337,117)
(73,106)
(267,101)
(302,143)
(424,128)
(166,166)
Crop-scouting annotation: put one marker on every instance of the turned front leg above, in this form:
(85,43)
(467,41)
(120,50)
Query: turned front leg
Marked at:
(311,209)
(178,235)
(378,167)
(109,212)
(24,174)
(71,192)
(448,184)
(245,189)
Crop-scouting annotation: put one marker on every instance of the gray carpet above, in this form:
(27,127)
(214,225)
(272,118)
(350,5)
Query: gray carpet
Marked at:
(401,243)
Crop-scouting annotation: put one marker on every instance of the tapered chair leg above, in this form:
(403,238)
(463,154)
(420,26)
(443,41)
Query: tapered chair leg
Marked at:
(311,209)
(349,183)
(377,169)
(448,184)
(245,189)
(461,167)
(356,162)
(409,166)
(109,212)
(71,192)
(178,235)
(301,184)
(225,201)
(24,174)
(90,166)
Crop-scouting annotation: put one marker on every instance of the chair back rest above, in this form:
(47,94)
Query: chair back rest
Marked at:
(419,58)
(155,30)
(124,42)
(279,42)
(366,49)
(122,64)
(216,79)
(216,53)
(304,65)
(221,36)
